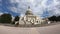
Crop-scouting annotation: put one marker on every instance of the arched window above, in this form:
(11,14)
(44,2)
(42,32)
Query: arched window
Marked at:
(37,21)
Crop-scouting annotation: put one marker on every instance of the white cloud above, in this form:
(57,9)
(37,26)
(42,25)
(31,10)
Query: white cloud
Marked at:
(1,13)
(54,8)
(13,9)
(37,6)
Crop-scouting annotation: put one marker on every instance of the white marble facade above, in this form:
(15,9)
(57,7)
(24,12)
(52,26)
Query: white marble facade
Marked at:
(29,18)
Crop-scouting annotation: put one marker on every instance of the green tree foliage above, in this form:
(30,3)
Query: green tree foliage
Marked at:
(54,18)
(5,18)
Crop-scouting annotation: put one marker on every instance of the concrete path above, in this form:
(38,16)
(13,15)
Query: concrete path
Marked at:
(54,29)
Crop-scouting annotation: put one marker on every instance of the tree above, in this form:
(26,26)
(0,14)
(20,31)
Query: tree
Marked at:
(16,18)
(53,18)
(5,18)
(58,18)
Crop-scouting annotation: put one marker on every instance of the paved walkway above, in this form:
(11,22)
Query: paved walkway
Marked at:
(54,29)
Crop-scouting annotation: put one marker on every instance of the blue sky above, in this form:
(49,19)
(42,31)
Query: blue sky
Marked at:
(42,8)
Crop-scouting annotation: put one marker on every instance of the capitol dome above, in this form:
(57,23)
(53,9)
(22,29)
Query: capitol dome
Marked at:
(29,11)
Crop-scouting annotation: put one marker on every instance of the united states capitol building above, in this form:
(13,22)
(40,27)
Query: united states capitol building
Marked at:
(29,18)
